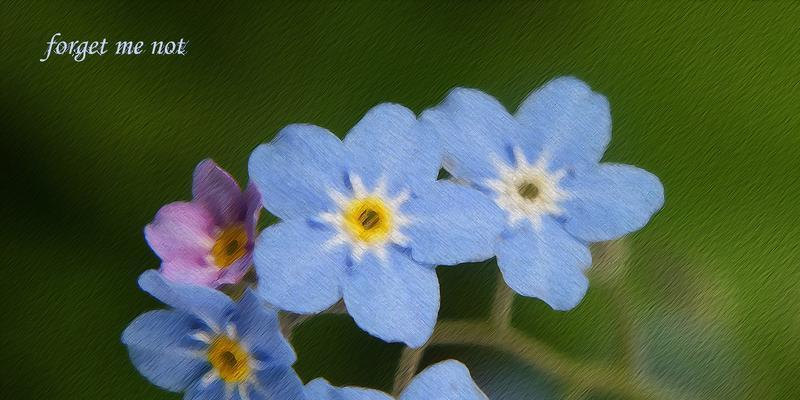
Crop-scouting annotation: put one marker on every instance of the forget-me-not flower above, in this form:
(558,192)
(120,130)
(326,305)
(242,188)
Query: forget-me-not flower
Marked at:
(447,380)
(365,219)
(542,168)
(209,240)
(210,347)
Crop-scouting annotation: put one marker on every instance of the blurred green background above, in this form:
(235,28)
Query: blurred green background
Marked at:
(705,95)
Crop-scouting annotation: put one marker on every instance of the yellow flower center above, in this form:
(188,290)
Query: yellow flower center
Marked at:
(230,246)
(229,359)
(368,219)
(528,190)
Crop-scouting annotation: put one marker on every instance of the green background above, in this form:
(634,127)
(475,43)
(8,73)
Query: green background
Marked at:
(705,95)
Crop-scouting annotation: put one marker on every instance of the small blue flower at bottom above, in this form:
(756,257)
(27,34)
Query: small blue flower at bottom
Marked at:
(447,380)
(210,347)
(542,168)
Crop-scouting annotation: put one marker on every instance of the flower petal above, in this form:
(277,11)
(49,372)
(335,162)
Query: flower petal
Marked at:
(547,264)
(566,120)
(473,128)
(259,328)
(234,272)
(610,201)
(189,271)
(320,389)
(214,187)
(214,390)
(252,200)
(277,383)
(452,224)
(396,300)
(296,270)
(389,142)
(296,171)
(211,305)
(156,343)
(181,230)
(447,380)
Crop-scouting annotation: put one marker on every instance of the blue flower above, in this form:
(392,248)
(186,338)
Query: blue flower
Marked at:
(447,380)
(210,347)
(542,167)
(365,219)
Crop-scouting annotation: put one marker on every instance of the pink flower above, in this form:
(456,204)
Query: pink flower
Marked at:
(209,240)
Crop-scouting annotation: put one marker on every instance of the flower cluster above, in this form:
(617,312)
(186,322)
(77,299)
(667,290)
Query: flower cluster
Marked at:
(366,220)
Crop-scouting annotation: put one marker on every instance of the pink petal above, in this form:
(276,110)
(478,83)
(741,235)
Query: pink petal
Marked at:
(181,230)
(252,200)
(195,272)
(216,189)
(235,272)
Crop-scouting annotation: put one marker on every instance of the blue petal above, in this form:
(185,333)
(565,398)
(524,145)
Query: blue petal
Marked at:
(452,224)
(206,391)
(296,171)
(277,383)
(389,142)
(547,264)
(396,301)
(610,201)
(566,120)
(447,380)
(296,270)
(320,389)
(211,305)
(157,343)
(259,328)
(474,127)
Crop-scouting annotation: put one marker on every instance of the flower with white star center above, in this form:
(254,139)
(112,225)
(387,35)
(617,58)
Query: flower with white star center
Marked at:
(527,191)
(210,347)
(367,220)
(556,194)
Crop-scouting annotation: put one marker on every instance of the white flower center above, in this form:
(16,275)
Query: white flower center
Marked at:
(230,359)
(367,220)
(527,191)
